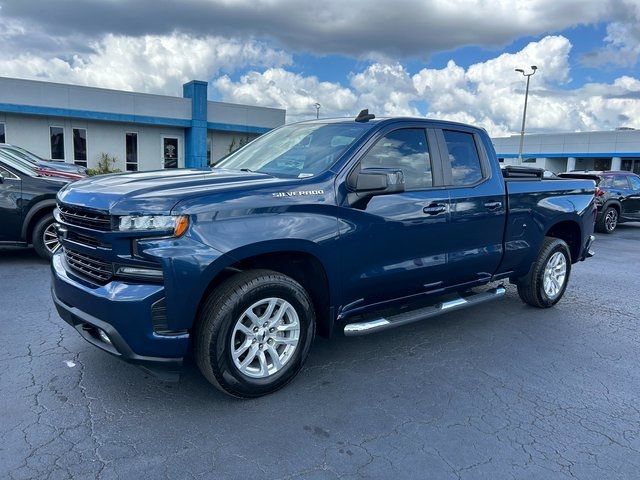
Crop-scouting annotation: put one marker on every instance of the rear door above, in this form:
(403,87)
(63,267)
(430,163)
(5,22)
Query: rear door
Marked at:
(10,205)
(477,206)
(633,201)
(621,189)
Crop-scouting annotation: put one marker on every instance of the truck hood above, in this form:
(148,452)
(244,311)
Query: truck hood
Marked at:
(156,191)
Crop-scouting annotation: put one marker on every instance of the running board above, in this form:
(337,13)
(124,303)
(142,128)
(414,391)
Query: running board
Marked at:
(379,324)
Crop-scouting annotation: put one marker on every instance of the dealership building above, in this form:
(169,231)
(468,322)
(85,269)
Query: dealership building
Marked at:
(562,152)
(142,131)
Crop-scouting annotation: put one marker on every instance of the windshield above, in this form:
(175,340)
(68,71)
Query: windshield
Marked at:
(22,154)
(17,163)
(296,151)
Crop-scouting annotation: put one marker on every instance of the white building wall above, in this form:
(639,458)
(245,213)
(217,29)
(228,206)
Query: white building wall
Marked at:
(32,133)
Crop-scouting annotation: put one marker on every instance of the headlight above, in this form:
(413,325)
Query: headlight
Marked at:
(177,223)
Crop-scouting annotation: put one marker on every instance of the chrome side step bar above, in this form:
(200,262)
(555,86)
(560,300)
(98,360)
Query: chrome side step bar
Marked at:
(379,324)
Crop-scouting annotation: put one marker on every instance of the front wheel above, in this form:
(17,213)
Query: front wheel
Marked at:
(45,239)
(547,280)
(254,333)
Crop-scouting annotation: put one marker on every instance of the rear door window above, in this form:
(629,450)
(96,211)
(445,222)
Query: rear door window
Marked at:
(620,181)
(466,168)
(635,182)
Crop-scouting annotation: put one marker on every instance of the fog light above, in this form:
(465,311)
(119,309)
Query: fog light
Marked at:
(152,273)
(104,337)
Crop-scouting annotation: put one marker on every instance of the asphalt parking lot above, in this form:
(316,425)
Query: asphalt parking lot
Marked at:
(499,391)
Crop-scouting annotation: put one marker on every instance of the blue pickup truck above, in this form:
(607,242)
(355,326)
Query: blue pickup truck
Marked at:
(323,227)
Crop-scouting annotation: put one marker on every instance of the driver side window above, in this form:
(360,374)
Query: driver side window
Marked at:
(405,150)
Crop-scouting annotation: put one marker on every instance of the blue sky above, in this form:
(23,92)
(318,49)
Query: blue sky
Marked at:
(451,60)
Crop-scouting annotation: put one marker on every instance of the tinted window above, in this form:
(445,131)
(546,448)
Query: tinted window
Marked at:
(131,154)
(80,146)
(57,143)
(404,150)
(464,158)
(620,181)
(3,137)
(606,181)
(635,182)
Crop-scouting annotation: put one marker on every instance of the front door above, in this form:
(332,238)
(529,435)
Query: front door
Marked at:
(478,206)
(170,152)
(10,208)
(395,245)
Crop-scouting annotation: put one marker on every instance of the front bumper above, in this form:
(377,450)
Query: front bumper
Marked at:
(123,312)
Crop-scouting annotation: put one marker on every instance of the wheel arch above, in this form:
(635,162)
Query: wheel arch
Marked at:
(569,231)
(36,212)
(299,261)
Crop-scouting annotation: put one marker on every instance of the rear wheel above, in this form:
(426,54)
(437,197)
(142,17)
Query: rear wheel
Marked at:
(45,239)
(608,220)
(547,280)
(254,333)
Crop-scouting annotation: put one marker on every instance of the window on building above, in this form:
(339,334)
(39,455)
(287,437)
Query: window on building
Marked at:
(404,150)
(170,152)
(131,151)
(3,135)
(56,134)
(209,161)
(80,146)
(464,158)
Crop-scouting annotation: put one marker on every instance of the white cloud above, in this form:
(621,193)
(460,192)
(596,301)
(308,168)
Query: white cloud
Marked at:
(489,94)
(358,28)
(276,87)
(159,64)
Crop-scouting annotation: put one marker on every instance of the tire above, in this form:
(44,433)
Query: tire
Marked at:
(43,242)
(608,221)
(218,332)
(532,289)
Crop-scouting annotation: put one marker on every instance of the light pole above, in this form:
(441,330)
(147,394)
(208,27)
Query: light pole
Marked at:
(524,113)
(317,105)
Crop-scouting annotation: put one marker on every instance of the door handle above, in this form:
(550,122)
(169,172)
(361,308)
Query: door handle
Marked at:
(435,209)
(493,205)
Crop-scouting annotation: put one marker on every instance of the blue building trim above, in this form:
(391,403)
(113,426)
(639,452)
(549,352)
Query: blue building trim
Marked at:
(229,127)
(195,152)
(93,115)
(571,154)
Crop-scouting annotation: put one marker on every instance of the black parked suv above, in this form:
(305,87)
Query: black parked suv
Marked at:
(617,197)
(27,201)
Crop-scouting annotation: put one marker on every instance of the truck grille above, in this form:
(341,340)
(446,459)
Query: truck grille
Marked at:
(85,218)
(89,266)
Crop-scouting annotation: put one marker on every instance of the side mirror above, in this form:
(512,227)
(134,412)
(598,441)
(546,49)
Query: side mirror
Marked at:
(383,181)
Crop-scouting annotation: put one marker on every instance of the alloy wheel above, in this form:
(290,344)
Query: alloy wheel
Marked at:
(555,274)
(50,239)
(611,220)
(265,337)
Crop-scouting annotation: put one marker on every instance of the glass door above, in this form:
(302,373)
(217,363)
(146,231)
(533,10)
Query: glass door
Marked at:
(170,152)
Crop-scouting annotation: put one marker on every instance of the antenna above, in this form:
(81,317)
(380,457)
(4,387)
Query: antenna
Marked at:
(365,116)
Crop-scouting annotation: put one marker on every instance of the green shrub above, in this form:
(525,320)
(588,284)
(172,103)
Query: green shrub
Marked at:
(105,165)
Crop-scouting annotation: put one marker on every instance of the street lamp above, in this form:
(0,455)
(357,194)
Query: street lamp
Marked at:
(317,105)
(524,113)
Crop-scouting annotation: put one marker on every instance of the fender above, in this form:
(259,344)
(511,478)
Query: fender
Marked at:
(37,207)
(611,201)
(273,247)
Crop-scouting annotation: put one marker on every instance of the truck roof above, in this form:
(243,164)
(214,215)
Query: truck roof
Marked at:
(385,120)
